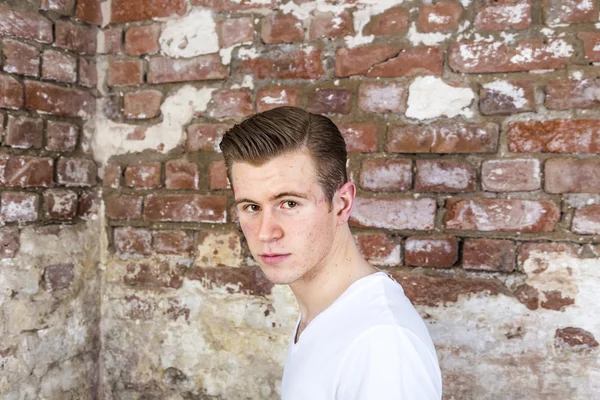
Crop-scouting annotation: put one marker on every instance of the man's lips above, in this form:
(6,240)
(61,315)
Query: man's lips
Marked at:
(273,258)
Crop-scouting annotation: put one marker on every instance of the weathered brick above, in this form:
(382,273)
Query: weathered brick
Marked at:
(488,255)
(164,69)
(570,11)
(392,22)
(24,132)
(386,174)
(517,175)
(360,60)
(219,249)
(185,208)
(382,97)
(205,137)
(535,254)
(143,175)
(181,174)
(89,204)
(139,10)
(439,17)
(76,171)
(567,94)
(19,207)
(143,104)
(20,58)
(330,25)
(58,276)
(416,214)
(235,30)
(11,92)
(554,300)
(133,240)
(443,137)
(359,137)
(25,171)
(88,74)
(330,101)
(528,296)
(425,60)
(445,176)
(574,339)
(124,207)
(10,242)
(504,14)
(572,176)
(60,204)
(162,274)
(125,73)
(89,11)
(247,281)
(235,103)
(112,176)
(507,97)
(218,176)
(142,40)
(64,7)
(110,41)
(501,215)
(172,242)
(235,5)
(379,248)
(441,252)
(74,37)
(554,136)
(59,66)
(61,136)
(25,24)
(57,100)
(586,220)
(591,45)
(281,28)
(296,65)
(481,57)
(277,96)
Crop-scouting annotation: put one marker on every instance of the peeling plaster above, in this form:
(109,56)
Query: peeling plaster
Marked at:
(190,36)
(431,97)
(428,39)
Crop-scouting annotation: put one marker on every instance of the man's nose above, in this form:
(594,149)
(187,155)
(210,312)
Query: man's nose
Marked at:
(270,229)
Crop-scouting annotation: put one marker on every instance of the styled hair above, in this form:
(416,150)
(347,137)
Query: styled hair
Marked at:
(264,136)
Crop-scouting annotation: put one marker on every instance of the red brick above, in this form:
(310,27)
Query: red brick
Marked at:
(555,136)
(330,25)
(391,22)
(488,255)
(246,281)
(591,45)
(89,11)
(440,252)
(235,5)
(57,100)
(24,132)
(360,60)
(382,97)
(281,28)
(481,57)
(125,73)
(152,274)
(124,207)
(139,10)
(143,175)
(414,214)
(535,253)
(88,75)
(61,136)
(567,94)
(64,7)
(360,137)
(89,204)
(181,174)
(586,220)
(570,11)
(112,176)
(386,174)
(574,339)
(379,248)
(507,97)
(443,137)
(25,24)
(11,92)
(296,65)
(19,207)
(208,67)
(452,176)
(426,60)
(439,17)
(517,175)
(111,41)
(572,176)
(555,300)
(504,15)
(501,215)
(277,96)
(74,37)
(205,136)
(20,58)
(330,101)
(235,30)
(143,104)
(185,208)
(60,204)
(76,171)
(218,176)
(59,66)
(27,171)
(172,242)
(232,104)
(58,276)
(133,240)
(10,242)
(142,40)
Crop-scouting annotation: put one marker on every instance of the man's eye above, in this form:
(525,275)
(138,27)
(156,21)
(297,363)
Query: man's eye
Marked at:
(289,204)
(251,208)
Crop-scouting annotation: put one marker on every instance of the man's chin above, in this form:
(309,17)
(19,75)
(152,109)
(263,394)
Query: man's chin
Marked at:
(277,276)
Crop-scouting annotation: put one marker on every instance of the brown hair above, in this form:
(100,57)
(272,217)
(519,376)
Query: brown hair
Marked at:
(281,130)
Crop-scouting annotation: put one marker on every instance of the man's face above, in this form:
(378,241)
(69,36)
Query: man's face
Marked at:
(285,216)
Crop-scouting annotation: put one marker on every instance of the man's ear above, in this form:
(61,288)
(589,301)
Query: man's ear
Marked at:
(343,201)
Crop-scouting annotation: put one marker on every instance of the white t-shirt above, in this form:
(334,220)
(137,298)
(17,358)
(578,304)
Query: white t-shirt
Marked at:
(370,344)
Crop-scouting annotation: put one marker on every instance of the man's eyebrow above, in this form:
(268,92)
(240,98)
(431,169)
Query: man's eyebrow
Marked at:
(277,196)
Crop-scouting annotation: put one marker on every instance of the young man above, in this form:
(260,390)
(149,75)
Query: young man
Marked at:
(358,336)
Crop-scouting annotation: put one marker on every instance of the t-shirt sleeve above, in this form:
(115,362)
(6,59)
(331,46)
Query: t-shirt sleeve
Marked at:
(389,362)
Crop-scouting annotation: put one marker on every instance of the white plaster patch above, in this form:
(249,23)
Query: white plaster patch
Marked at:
(457,178)
(577,75)
(190,36)
(428,39)
(247,54)
(431,97)
(428,245)
(505,88)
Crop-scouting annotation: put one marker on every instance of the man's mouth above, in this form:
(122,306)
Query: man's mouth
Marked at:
(273,258)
